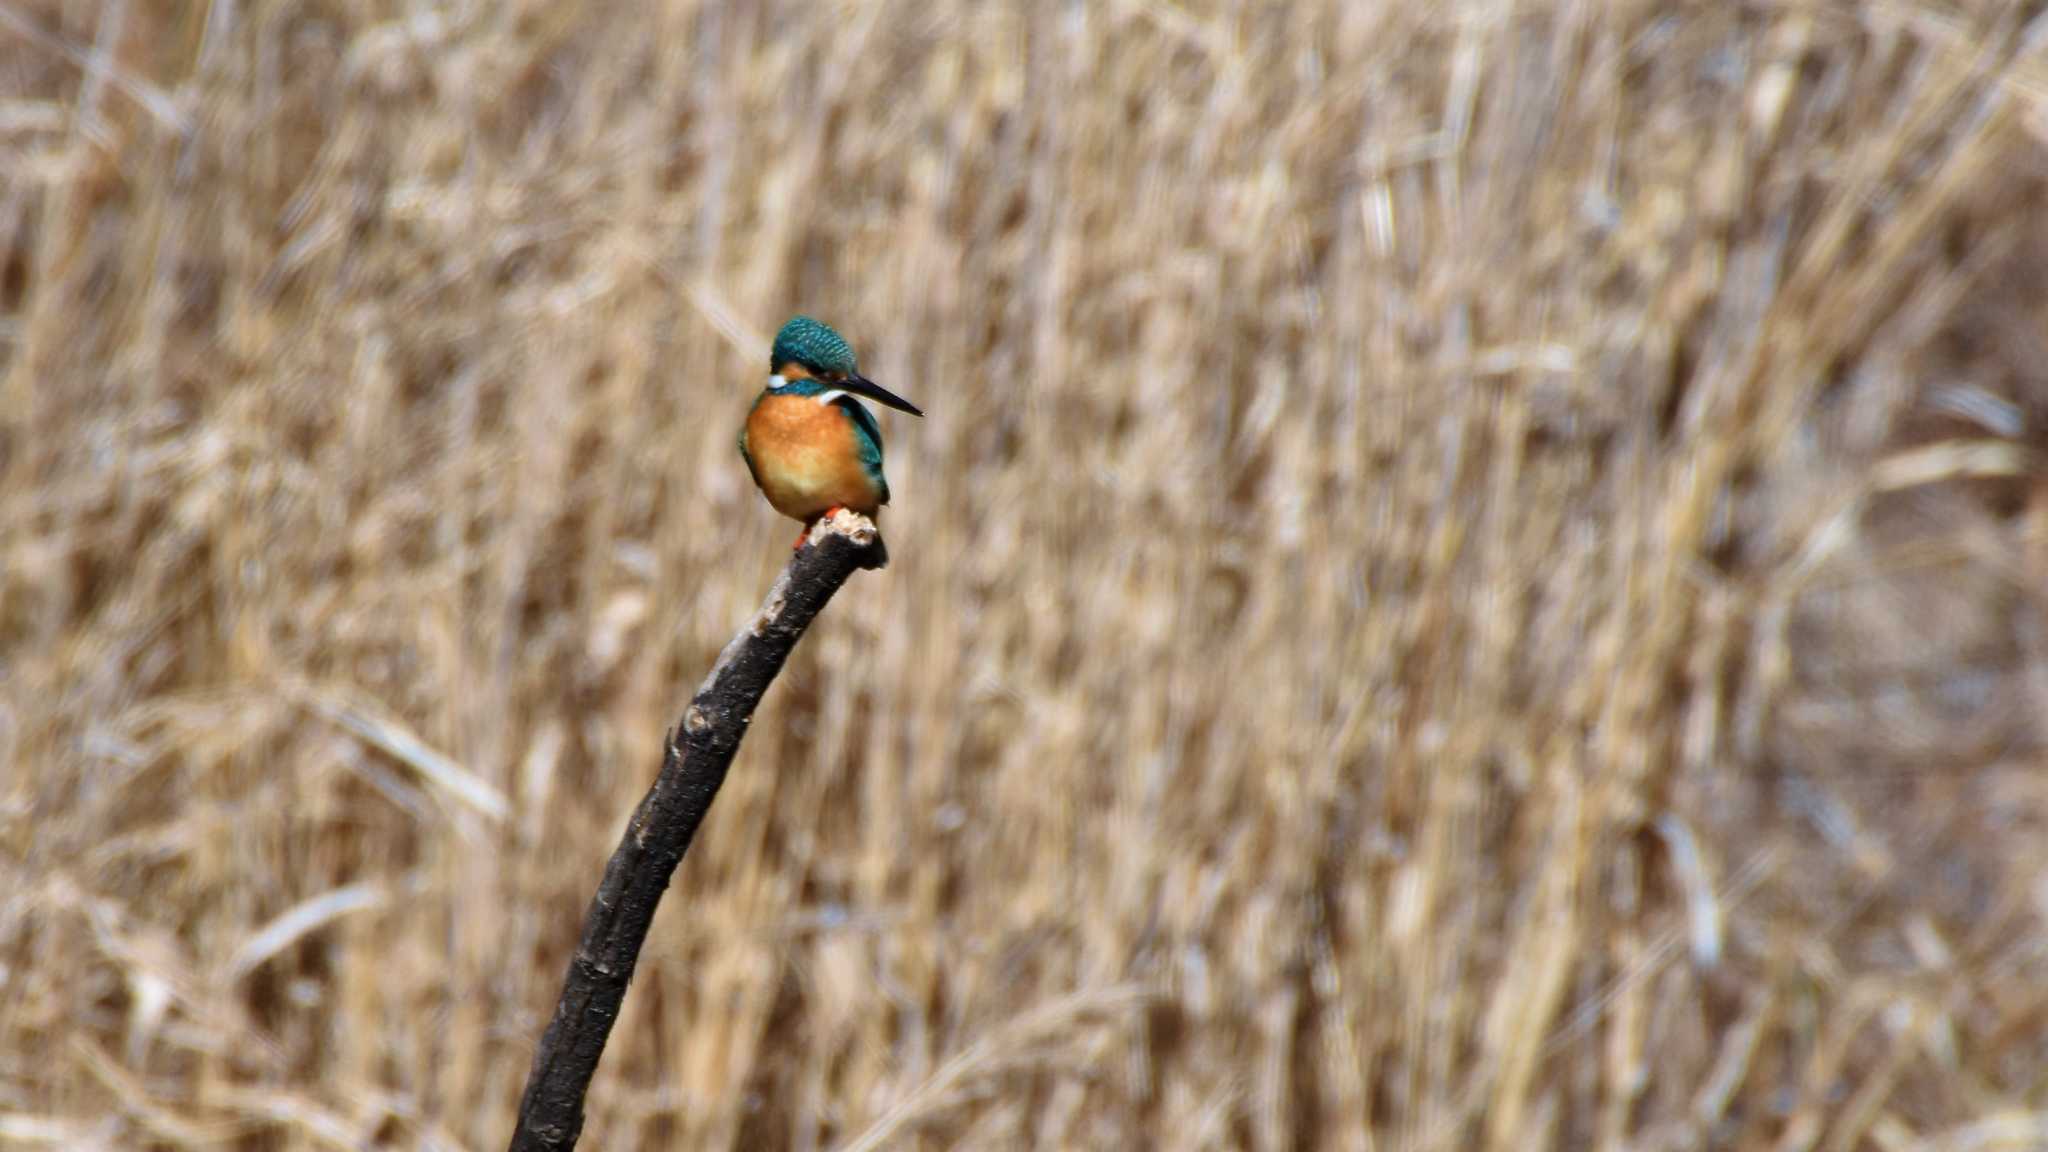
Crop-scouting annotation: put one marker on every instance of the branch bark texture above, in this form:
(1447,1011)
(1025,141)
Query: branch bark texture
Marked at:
(699,751)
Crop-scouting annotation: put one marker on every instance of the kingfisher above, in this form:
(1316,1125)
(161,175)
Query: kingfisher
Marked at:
(812,447)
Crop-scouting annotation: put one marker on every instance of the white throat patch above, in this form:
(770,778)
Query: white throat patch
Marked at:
(780,383)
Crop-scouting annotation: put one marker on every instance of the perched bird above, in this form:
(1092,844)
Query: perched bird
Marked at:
(812,447)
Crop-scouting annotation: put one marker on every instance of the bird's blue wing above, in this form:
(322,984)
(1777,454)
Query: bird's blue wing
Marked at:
(869,435)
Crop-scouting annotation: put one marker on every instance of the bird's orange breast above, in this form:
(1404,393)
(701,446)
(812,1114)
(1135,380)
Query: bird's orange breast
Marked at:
(806,457)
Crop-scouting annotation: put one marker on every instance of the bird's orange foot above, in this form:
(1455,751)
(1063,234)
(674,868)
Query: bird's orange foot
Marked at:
(804,537)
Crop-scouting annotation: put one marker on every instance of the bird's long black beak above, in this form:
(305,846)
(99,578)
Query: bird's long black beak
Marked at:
(862,386)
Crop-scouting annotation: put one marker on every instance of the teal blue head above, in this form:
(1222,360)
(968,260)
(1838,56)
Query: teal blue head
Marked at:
(807,352)
(815,348)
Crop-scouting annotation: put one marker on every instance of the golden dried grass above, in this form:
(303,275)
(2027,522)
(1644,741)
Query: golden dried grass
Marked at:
(1473,579)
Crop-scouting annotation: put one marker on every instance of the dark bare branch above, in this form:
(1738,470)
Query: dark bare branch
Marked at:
(699,751)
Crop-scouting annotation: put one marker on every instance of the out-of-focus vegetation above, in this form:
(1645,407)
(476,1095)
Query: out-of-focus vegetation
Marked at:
(1473,579)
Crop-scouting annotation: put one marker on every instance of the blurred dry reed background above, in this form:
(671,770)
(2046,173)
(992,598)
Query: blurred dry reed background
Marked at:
(1474,578)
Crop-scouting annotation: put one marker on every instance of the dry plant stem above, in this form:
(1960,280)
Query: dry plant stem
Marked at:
(698,753)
